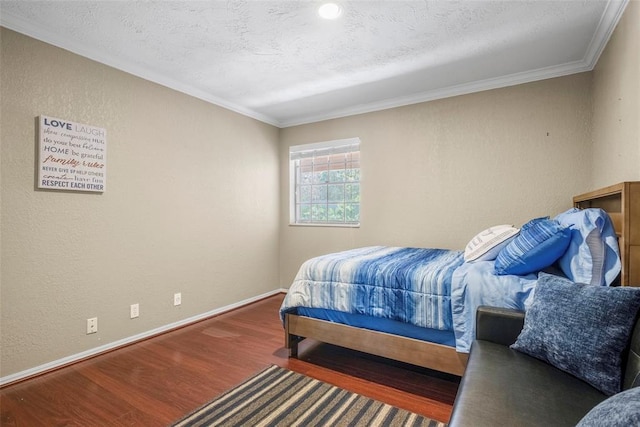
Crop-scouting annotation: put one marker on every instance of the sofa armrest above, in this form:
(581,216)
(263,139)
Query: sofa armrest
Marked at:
(498,325)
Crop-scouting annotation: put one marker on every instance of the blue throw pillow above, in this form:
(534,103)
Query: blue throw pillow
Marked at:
(593,255)
(540,243)
(580,329)
(621,410)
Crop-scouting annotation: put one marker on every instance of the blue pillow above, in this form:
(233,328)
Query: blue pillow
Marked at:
(593,255)
(580,329)
(621,410)
(540,243)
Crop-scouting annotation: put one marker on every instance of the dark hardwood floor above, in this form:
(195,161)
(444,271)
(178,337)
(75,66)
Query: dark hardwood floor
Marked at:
(157,381)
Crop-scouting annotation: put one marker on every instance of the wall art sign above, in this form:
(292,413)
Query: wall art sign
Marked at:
(73,156)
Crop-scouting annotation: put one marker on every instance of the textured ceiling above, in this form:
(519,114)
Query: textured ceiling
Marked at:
(278,62)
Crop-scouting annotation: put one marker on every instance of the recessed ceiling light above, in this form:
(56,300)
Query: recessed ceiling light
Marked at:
(329,11)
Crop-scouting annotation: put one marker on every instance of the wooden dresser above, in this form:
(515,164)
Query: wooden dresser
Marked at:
(622,203)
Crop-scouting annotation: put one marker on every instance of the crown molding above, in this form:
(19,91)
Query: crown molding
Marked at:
(22,26)
(610,18)
(608,22)
(450,91)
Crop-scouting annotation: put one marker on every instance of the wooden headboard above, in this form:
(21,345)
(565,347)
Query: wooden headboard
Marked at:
(622,203)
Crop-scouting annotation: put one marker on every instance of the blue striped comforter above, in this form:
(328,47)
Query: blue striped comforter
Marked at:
(412,285)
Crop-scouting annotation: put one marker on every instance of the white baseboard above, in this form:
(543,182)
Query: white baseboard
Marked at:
(129,340)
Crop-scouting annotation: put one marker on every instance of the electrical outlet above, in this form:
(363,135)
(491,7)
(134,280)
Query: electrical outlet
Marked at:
(177,298)
(92,325)
(135,310)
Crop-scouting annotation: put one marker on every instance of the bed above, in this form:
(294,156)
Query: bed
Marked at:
(417,305)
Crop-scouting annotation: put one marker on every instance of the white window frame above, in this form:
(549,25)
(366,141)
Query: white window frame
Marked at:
(308,151)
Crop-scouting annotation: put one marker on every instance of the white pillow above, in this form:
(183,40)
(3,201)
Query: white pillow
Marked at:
(486,244)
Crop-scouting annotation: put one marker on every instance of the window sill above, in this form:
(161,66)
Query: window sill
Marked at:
(293,224)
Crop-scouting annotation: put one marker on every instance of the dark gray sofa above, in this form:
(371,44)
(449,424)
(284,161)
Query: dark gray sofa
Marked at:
(503,387)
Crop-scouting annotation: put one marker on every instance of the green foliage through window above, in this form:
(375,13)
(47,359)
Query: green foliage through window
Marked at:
(327,186)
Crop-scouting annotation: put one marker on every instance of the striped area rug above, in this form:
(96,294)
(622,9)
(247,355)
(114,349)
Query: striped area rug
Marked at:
(278,397)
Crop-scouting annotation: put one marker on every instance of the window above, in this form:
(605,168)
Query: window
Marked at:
(325,183)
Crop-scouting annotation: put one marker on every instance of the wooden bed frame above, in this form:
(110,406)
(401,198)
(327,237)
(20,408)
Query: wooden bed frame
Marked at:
(621,202)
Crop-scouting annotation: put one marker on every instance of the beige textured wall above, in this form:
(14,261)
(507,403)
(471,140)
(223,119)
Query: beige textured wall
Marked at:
(616,100)
(191,206)
(435,174)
